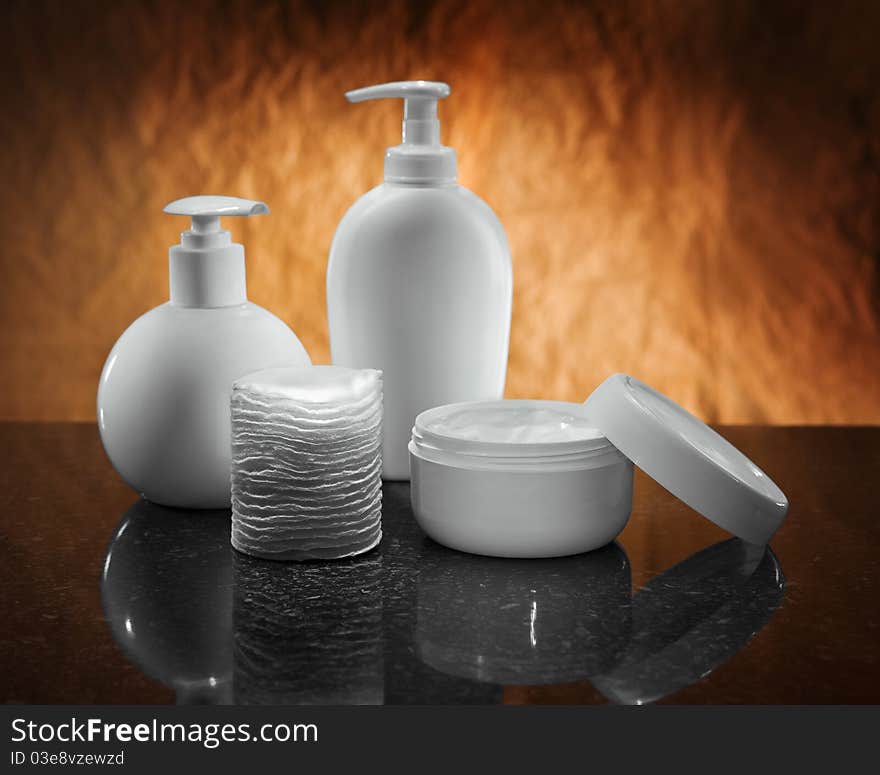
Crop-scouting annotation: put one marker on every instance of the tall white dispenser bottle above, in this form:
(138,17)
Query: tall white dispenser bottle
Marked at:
(163,398)
(419,281)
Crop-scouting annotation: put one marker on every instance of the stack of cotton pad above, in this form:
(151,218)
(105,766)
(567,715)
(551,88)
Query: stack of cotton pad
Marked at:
(306,462)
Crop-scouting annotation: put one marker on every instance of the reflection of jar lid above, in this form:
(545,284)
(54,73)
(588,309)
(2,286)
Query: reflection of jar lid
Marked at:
(688,458)
(166,589)
(522,622)
(692,618)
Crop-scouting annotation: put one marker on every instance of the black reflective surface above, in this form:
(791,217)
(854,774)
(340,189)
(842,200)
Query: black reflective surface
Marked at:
(107,599)
(415,622)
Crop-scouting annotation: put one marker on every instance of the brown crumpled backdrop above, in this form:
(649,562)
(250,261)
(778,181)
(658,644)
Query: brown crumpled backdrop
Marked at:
(690,189)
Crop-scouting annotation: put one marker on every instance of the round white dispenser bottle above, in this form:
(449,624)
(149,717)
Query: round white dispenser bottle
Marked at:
(419,280)
(163,398)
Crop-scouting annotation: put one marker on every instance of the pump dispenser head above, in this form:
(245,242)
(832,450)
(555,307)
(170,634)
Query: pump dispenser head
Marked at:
(207,268)
(419,158)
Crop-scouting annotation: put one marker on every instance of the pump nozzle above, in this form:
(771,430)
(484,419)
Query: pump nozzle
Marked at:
(206,210)
(207,268)
(420,158)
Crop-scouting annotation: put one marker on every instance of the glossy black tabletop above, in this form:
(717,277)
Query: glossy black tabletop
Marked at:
(105,598)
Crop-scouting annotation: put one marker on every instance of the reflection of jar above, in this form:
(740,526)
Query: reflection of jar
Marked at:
(166,588)
(692,618)
(308,633)
(522,621)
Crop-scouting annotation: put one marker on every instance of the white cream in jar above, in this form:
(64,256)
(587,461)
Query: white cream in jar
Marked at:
(517,479)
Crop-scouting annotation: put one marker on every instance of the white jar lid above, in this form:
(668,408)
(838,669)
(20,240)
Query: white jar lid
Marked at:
(688,458)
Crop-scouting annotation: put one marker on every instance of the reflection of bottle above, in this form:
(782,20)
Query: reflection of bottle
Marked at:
(308,633)
(694,617)
(419,281)
(163,398)
(166,589)
(522,621)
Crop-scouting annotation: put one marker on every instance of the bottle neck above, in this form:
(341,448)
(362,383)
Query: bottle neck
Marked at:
(421,164)
(207,277)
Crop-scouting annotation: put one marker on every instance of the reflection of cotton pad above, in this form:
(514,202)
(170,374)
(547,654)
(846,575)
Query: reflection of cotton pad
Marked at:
(306,634)
(306,462)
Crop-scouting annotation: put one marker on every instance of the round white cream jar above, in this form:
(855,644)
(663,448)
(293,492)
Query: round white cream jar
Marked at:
(517,479)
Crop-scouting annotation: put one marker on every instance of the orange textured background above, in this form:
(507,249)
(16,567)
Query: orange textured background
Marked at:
(691,189)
